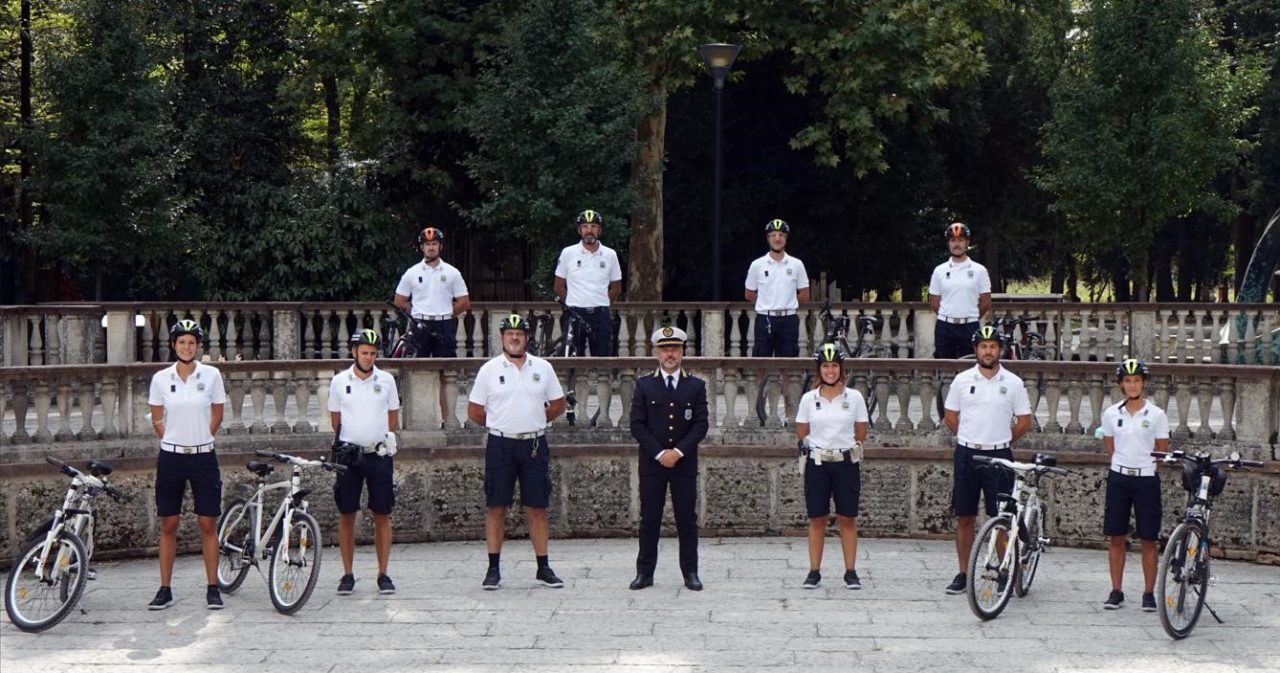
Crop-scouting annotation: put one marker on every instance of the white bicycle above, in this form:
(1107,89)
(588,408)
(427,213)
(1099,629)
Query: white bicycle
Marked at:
(1009,544)
(53,566)
(291,540)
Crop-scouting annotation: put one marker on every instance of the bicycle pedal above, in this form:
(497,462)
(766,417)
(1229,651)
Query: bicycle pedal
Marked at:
(91,574)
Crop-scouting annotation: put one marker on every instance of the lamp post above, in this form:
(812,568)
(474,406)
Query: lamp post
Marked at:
(719,60)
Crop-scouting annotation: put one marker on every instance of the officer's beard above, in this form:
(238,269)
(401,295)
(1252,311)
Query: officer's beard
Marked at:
(989,365)
(363,369)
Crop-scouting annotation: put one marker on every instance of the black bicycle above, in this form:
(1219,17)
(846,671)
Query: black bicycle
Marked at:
(1183,585)
(544,343)
(400,334)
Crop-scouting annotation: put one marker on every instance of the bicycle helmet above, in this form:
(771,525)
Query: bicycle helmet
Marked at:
(828,352)
(1131,366)
(513,321)
(430,234)
(186,327)
(957,230)
(364,337)
(777,225)
(589,217)
(988,333)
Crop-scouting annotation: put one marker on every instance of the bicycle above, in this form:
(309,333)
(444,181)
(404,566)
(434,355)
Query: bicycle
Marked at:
(53,566)
(291,540)
(1184,578)
(1006,551)
(542,344)
(399,342)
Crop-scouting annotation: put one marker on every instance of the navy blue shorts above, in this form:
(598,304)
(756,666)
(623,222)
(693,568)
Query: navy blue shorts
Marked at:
(507,461)
(1137,495)
(839,481)
(175,470)
(436,338)
(974,479)
(374,471)
(777,336)
(951,342)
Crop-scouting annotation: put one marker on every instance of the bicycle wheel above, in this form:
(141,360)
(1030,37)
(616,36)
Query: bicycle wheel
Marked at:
(989,566)
(38,602)
(295,564)
(235,546)
(1029,552)
(1184,579)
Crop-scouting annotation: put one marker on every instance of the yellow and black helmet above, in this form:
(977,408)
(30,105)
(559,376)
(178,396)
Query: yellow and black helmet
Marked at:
(988,333)
(514,321)
(777,225)
(187,326)
(1130,366)
(364,336)
(828,352)
(590,217)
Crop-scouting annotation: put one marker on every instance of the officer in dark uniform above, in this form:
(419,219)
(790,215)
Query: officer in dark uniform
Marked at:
(669,418)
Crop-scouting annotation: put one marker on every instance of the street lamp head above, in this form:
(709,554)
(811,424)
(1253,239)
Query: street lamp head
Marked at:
(719,60)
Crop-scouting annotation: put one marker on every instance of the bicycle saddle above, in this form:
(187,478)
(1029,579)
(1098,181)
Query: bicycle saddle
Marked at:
(873,320)
(99,469)
(1046,460)
(260,469)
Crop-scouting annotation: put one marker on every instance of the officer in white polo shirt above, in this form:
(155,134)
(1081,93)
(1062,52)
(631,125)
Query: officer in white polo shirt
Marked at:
(434,294)
(980,408)
(1131,430)
(959,294)
(831,424)
(364,409)
(777,283)
(186,402)
(515,396)
(589,279)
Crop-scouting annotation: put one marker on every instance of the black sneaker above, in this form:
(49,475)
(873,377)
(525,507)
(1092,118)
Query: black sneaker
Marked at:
(548,577)
(492,580)
(812,579)
(213,598)
(1116,600)
(346,585)
(958,584)
(385,585)
(1148,602)
(163,599)
(851,580)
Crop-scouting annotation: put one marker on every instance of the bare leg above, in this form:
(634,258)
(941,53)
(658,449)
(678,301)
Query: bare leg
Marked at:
(848,540)
(347,540)
(495,528)
(382,540)
(208,547)
(168,547)
(817,537)
(964,539)
(539,530)
(1150,559)
(1115,555)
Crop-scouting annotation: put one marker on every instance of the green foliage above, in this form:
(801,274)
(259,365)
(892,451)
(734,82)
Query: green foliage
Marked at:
(549,147)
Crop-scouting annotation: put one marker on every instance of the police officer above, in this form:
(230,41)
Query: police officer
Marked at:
(589,279)
(364,409)
(515,396)
(1131,430)
(959,294)
(980,408)
(186,400)
(831,424)
(434,294)
(668,419)
(777,283)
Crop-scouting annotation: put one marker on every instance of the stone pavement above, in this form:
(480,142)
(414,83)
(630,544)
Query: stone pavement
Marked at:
(753,616)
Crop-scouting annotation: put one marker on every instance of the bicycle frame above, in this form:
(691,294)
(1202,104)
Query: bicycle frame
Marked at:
(283,515)
(76,513)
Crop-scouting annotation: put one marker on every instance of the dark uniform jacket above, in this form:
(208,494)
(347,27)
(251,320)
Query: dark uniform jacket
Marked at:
(661,420)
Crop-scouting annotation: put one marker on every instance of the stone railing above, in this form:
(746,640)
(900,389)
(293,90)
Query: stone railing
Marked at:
(121,333)
(102,409)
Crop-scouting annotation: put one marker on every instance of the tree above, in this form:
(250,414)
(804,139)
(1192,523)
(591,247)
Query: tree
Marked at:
(1145,116)
(548,147)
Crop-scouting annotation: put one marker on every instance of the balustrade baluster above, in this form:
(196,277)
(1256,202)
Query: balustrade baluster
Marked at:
(1162,390)
(109,393)
(1053,398)
(235,385)
(258,398)
(1075,393)
(1033,400)
(4,385)
(279,398)
(581,386)
(928,405)
(301,383)
(327,330)
(20,400)
(730,378)
(882,394)
(604,397)
(324,422)
(773,393)
(903,390)
(53,339)
(1180,344)
(626,391)
(41,396)
(1204,400)
(1183,395)
(1228,399)
(624,336)
(232,334)
(263,351)
(35,341)
(85,401)
(148,353)
(64,411)
(1097,390)
(904,346)
(213,347)
(451,399)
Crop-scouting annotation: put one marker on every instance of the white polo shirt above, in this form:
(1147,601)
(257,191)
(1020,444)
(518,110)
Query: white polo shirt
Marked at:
(777,282)
(363,404)
(987,406)
(831,421)
(432,289)
(588,274)
(514,398)
(187,404)
(1135,435)
(959,286)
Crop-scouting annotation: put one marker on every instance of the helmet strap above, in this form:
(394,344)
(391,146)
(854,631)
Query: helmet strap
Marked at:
(186,361)
(364,370)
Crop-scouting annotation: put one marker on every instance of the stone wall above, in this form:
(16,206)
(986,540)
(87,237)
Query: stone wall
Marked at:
(744,490)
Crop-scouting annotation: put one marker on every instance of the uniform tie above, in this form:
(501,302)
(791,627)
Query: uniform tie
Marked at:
(671,383)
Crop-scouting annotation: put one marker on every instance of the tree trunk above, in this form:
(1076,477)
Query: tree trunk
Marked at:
(644,274)
(991,260)
(1163,260)
(333,129)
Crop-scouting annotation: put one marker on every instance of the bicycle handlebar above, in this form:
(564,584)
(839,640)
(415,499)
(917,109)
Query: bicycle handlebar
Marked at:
(1019,467)
(89,480)
(1234,460)
(301,462)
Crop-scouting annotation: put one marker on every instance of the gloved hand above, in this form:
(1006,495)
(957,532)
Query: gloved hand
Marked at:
(389,444)
(1098,434)
(855,454)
